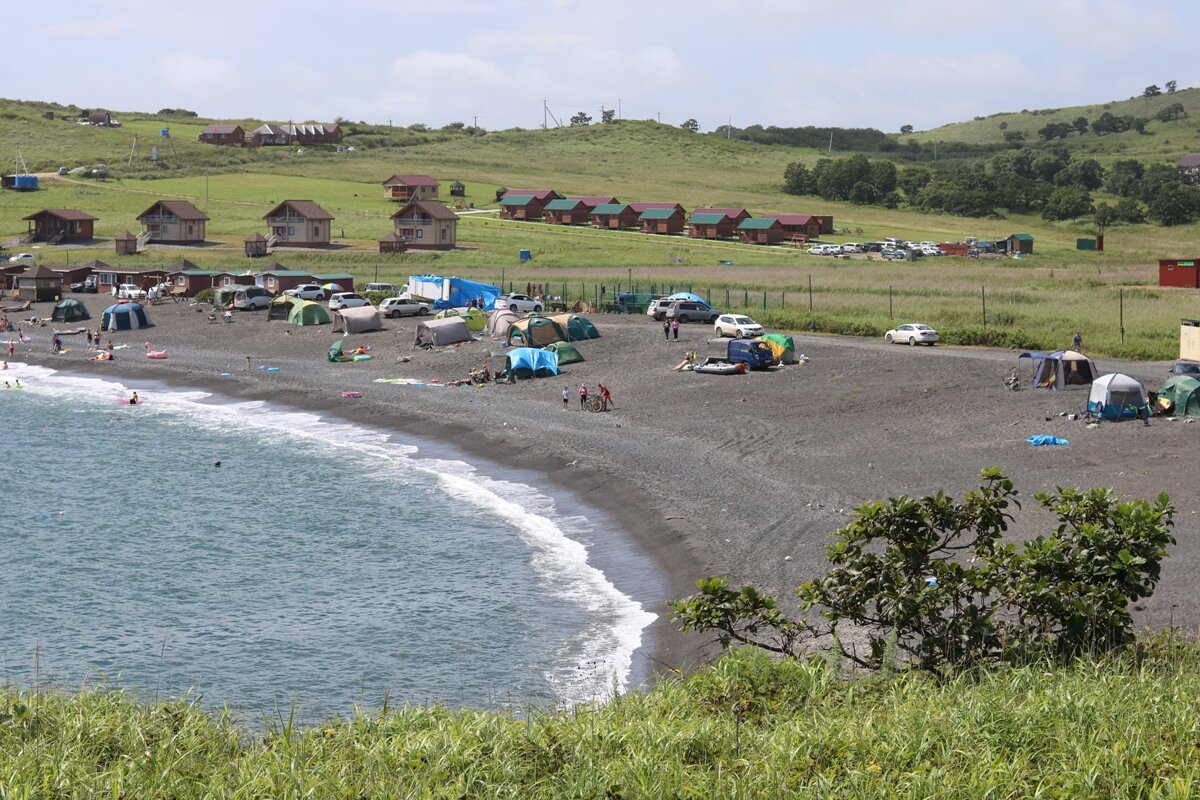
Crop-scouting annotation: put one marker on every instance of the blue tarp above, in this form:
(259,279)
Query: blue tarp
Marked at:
(463,292)
(695,298)
(532,362)
(1042,439)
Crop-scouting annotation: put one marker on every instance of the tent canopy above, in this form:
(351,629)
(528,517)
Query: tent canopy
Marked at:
(69,310)
(499,321)
(1062,369)
(567,353)
(439,332)
(281,306)
(695,298)
(306,312)
(532,362)
(783,348)
(1180,396)
(535,331)
(1117,396)
(124,317)
(357,320)
(578,327)
(476,318)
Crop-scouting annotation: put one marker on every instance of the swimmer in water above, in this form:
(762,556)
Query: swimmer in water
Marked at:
(133,399)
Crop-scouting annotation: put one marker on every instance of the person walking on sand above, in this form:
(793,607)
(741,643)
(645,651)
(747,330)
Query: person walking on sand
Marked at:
(667,329)
(582,397)
(605,397)
(1077,341)
(566,398)
(675,328)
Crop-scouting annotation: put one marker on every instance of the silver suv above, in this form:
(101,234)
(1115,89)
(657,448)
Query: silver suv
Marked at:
(657,309)
(691,311)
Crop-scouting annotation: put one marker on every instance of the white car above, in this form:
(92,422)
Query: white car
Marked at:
(129,291)
(347,300)
(403,307)
(825,250)
(853,247)
(306,291)
(21,258)
(912,333)
(520,303)
(737,326)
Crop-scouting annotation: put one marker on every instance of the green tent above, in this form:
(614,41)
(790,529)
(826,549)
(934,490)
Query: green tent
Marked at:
(534,331)
(567,352)
(69,311)
(1180,396)
(335,352)
(577,327)
(475,318)
(281,306)
(783,348)
(308,313)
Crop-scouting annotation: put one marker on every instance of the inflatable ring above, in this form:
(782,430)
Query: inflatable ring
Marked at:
(351,394)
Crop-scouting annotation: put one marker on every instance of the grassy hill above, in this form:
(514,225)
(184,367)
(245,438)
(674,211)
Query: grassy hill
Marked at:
(1163,141)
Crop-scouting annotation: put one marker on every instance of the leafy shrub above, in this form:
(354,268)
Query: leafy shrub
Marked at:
(206,296)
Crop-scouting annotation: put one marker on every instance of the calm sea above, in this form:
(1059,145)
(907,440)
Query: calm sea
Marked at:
(322,564)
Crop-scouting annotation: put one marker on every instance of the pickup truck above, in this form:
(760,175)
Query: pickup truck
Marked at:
(754,353)
(519,303)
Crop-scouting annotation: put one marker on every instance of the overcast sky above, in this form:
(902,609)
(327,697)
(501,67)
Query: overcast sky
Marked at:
(853,63)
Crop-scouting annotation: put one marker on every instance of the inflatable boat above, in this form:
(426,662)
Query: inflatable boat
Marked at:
(712,366)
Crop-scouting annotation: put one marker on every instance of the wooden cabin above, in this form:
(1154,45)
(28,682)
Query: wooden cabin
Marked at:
(173,222)
(760,230)
(403,188)
(711,225)
(299,223)
(256,245)
(666,220)
(220,134)
(522,207)
(801,227)
(1020,243)
(614,216)
(568,211)
(426,225)
(735,214)
(392,242)
(277,278)
(268,135)
(37,283)
(126,244)
(189,282)
(313,133)
(59,226)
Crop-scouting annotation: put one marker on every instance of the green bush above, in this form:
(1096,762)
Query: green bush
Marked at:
(208,295)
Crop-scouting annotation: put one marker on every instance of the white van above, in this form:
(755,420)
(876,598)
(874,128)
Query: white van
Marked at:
(387,288)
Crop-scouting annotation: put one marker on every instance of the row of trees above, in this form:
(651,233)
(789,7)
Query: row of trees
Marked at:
(1108,123)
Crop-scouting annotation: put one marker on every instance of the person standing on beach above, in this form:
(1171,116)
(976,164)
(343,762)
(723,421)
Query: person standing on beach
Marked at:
(667,329)
(566,398)
(582,397)
(675,328)
(1077,341)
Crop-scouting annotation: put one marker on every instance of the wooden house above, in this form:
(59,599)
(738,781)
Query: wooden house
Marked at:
(189,282)
(1189,168)
(313,133)
(220,134)
(1182,273)
(240,279)
(403,188)
(614,216)
(522,207)
(568,211)
(426,225)
(268,135)
(1020,243)
(37,283)
(800,227)
(735,214)
(760,230)
(59,225)
(664,221)
(711,225)
(173,222)
(826,221)
(256,245)
(278,278)
(342,279)
(640,207)
(299,223)
(71,273)
(109,278)
(126,244)
(392,242)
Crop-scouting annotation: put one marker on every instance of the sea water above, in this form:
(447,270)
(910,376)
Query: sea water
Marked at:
(320,565)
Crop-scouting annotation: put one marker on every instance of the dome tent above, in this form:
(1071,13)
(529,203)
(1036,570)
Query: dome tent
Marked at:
(567,353)
(69,310)
(499,322)
(475,318)
(1180,396)
(531,362)
(440,332)
(578,327)
(1062,369)
(124,317)
(1117,396)
(307,312)
(535,331)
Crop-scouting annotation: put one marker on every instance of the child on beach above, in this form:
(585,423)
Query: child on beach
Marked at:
(667,329)
(675,328)
(566,398)
(583,394)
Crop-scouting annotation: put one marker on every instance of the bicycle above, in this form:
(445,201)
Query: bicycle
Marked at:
(594,403)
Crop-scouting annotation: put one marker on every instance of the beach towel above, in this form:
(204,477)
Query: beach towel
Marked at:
(1040,439)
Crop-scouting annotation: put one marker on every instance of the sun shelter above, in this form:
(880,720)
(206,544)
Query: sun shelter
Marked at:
(357,320)
(1062,369)
(475,318)
(567,353)
(281,306)
(1117,396)
(439,332)
(335,352)
(1180,396)
(124,317)
(535,331)
(783,348)
(306,312)
(577,327)
(69,310)
(499,322)
(532,362)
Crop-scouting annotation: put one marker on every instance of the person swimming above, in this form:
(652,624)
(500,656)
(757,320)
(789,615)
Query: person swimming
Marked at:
(133,399)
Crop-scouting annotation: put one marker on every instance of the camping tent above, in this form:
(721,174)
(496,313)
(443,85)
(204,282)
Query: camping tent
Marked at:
(69,310)
(534,331)
(438,332)
(695,298)
(577,327)
(499,322)
(1180,396)
(1062,369)
(336,354)
(1117,396)
(530,362)
(566,352)
(476,318)
(281,306)
(783,348)
(357,320)
(124,317)
(306,312)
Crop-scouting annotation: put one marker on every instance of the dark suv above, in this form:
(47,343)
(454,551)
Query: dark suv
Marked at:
(87,285)
(691,311)
(1189,368)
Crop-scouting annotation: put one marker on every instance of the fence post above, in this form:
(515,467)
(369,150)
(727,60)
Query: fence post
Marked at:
(764,299)
(890,316)
(727,297)
(983,299)
(783,299)
(1122,319)
(810,294)
(745,298)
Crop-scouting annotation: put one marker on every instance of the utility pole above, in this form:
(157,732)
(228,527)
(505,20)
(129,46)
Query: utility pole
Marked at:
(618,108)
(728,127)
(475,129)
(660,118)
(545,109)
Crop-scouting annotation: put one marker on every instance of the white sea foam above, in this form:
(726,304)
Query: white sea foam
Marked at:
(585,669)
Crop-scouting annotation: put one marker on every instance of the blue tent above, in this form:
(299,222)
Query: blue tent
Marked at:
(124,317)
(695,298)
(462,292)
(532,362)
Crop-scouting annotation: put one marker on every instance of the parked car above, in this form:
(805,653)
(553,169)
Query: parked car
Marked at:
(21,258)
(853,247)
(657,310)
(1189,368)
(520,303)
(754,353)
(388,288)
(251,298)
(691,311)
(892,254)
(912,333)
(737,326)
(129,291)
(347,300)
(87,285)
(403,307)
(306,291)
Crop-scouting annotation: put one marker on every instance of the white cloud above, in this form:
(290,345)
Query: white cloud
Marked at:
(197,75)
(451,68)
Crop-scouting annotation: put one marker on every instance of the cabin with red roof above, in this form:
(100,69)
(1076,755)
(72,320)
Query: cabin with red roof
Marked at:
(57,225)
(227,135)
(173,222)
(403,188)
(805,226)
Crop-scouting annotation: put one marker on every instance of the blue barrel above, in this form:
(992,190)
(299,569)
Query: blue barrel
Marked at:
(164,131)
(526,255)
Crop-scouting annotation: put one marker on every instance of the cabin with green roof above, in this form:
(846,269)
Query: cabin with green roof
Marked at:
(277,278)
(190,281)
(1020,243)
(711,225)
(522,207)
(568,211)
(663,221)
(614,216)
(760,230)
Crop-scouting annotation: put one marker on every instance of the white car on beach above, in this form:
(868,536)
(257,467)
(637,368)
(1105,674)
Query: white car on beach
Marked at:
(519,303)
(403,307)
(306,291)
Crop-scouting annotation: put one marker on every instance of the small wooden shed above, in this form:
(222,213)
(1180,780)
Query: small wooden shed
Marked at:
(760,230)
(1020,243)
(392,242)
(125,243)
(256,245)
(38,283)
(663,220)
(1181,273)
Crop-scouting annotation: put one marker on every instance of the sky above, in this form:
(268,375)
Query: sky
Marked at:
(517,63)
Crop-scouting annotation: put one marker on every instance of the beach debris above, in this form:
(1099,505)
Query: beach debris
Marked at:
(352,394)
(1038,440)
(226,374)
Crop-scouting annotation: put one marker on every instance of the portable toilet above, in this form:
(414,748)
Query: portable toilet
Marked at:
(526,255)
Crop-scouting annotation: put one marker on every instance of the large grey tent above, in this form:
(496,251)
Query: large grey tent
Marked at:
(499,322)
(1062,369)
(357,320)
(438,332)
(69,310)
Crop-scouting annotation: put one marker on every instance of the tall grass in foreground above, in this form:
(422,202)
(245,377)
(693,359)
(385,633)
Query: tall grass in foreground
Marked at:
(744,727)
